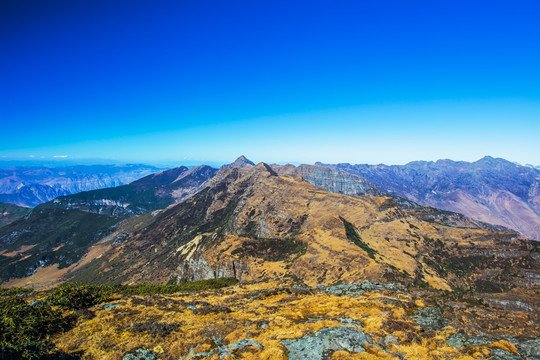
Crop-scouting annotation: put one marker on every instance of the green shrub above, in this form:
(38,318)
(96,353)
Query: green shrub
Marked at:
(149,289)
(25,329)
(14,291)
(353,236)
(78,296)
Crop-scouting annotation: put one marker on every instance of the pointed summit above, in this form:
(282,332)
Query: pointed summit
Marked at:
(241,162)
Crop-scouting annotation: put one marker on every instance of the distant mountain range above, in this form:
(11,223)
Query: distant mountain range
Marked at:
(32,185)
(314,223)
(491,190)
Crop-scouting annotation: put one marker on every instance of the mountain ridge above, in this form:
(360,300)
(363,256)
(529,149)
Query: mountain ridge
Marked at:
(30,186)
(248,224)
(491,190)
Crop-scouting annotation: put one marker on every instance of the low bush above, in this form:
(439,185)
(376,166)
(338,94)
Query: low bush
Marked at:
(149,289)
(25,329)
(78,296)
(14,291)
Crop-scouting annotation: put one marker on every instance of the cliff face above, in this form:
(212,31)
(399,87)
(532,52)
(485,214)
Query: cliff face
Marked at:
(254,224)
(335,181)
(31,186)
(490,190)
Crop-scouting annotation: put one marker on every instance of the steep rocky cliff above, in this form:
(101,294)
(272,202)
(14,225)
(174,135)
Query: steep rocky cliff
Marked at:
(336,181)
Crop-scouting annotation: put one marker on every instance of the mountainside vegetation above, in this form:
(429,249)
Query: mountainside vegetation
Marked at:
(9,213)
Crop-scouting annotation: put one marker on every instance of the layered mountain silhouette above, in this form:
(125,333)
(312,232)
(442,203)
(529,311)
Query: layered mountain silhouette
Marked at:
(490,190)
(30,186)
(153,192)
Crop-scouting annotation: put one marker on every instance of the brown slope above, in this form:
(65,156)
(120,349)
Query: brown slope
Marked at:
(254,224)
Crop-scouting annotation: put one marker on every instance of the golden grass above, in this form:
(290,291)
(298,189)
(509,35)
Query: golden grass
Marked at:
(267,320)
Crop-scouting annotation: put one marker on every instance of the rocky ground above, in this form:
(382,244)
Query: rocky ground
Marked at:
(367,320)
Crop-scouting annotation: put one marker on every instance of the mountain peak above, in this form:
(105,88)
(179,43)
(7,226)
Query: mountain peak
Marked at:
(240,162)
(263,167)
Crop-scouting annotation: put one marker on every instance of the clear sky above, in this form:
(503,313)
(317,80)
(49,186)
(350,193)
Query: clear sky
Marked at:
(278,81)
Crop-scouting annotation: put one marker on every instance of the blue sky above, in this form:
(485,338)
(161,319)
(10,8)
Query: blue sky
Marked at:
(279,81)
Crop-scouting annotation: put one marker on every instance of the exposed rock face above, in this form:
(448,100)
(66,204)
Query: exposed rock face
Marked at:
(429,318)
(31,186)
(323,343)
(491,190)
(339,182)
(227,350)
(253,224)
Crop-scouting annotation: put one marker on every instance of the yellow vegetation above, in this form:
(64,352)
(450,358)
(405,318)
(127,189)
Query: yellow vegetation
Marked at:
(261,314)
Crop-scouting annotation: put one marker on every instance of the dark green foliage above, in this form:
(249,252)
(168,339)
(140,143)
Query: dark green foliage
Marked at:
(25,329)
(14,291)
(444,267)
(272,249)
(9,213)
(353,236)
(148,289)
(460,295)
(78,296)
(490,286)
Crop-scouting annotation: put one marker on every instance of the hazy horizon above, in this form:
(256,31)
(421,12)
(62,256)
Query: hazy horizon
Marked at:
(66,162)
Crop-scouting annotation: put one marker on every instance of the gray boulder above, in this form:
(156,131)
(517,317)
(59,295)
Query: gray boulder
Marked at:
(429,318)
(323,343)
(141,354)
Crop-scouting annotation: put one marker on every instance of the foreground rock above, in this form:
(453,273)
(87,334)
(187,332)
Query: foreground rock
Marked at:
(323,343)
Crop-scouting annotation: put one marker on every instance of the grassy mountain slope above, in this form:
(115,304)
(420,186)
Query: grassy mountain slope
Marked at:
(253,224)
